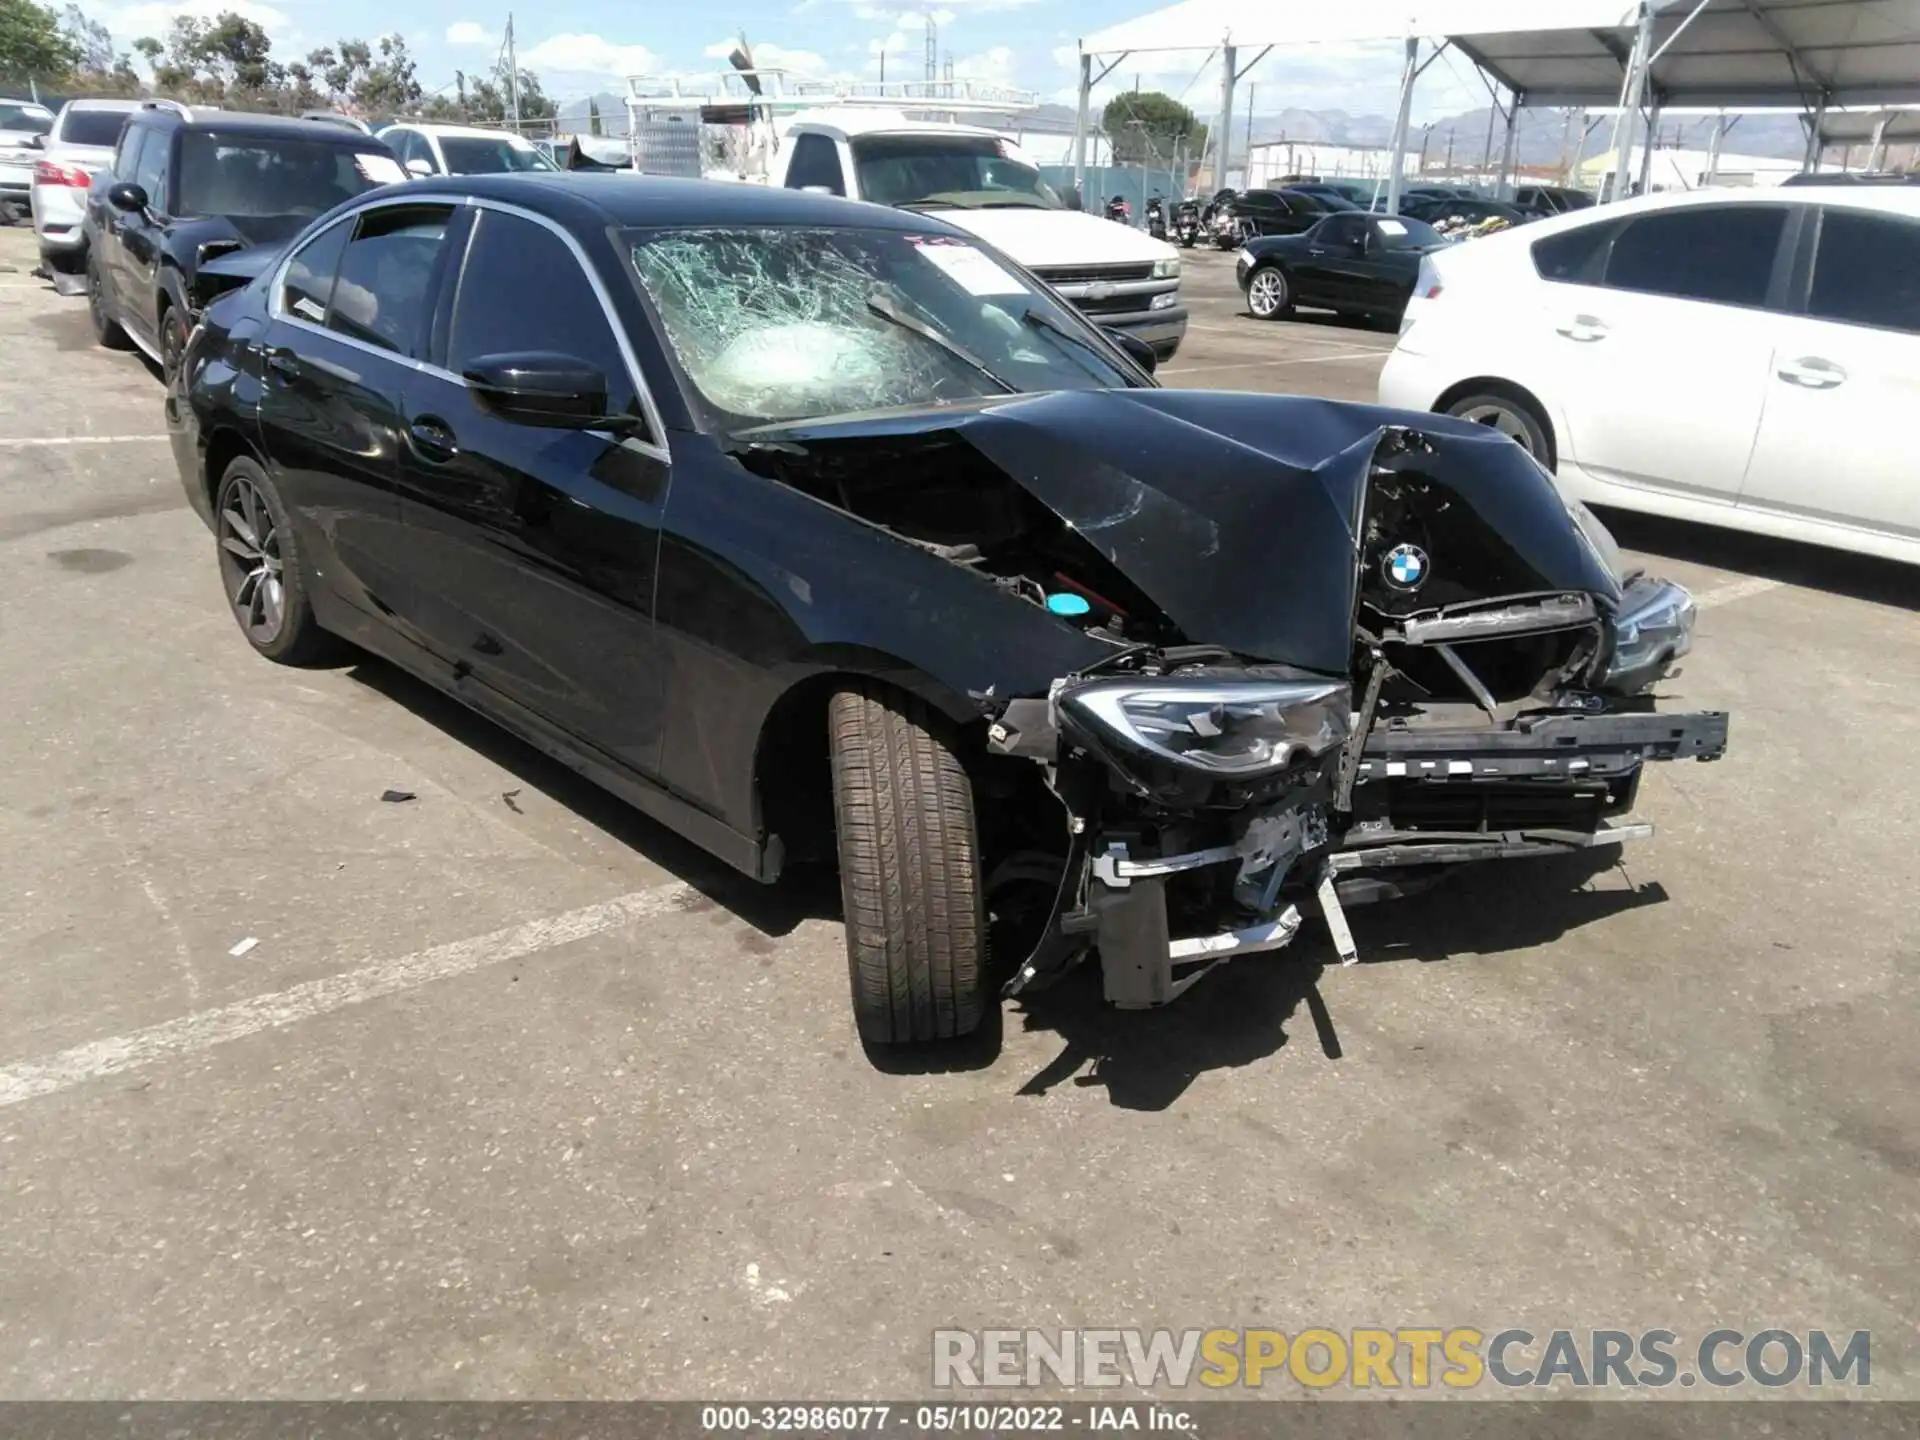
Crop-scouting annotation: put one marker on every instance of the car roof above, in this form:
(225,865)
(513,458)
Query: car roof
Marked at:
(103,103)
(238,122)
(850,122)
(477,132)
(650,202)
(1897,199)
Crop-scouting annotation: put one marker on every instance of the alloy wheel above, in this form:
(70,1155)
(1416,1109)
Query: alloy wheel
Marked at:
(1501,418)
(250,562)
(1266,293)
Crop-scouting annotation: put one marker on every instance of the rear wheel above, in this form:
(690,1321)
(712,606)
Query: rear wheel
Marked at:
(106,329)
(262,571)
(1513,417)
(1269,296)
(910,875)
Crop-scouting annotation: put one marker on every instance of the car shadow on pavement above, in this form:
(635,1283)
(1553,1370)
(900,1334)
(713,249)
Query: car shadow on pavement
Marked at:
(1241,1013)
(1792,562)
(774,910)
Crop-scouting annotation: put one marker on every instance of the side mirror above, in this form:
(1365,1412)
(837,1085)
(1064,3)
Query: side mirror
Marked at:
(419,168)
(542,388)
(1138,350)
(128,197)
(36,142)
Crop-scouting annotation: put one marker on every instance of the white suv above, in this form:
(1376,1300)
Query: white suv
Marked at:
(79,145)
(462,150)
(1739,358)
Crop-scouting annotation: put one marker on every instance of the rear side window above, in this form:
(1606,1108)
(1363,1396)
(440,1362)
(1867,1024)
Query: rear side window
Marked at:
(1569,255)
(309,282)
(92,127)
(1867,271)
(1723,255)
(511,258)
(381,297)
(816,161)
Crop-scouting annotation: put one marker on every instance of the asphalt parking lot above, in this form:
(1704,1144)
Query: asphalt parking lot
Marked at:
(502,1091)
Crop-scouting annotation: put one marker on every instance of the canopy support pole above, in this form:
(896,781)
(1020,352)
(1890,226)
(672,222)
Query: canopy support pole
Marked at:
(1508,189)
(1632,96)
(1814,147)
(1646,155)
(1402,121)
(1876,156)
(1080,121)
(1713,148)
(1223,126)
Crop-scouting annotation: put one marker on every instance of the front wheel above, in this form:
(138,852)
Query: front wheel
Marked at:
(910,877)
(1269,296)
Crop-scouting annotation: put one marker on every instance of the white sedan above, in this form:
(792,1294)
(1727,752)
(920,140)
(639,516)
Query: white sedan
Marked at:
(1741,358)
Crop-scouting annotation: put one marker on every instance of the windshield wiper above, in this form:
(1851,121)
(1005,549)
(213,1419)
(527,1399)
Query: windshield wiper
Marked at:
(1040,320)
(929,205)
(882,305)
(1015,205)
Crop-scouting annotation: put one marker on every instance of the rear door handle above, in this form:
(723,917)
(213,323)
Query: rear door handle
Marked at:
(1812,373)
(432,439)
(1584,328)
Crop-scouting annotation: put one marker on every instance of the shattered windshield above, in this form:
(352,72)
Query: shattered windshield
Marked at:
(794,323)
(968,172)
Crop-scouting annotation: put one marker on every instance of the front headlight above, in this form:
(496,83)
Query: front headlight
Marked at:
(1166,269)
(1655,629)
(1226,728)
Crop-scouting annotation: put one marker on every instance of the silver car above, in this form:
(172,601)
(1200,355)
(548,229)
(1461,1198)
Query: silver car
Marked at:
(23,123)
(79,144)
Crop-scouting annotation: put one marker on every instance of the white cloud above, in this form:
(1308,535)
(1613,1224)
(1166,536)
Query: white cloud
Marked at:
(990,67)
(470,32)
(573,53)
(133,21)
(773,57)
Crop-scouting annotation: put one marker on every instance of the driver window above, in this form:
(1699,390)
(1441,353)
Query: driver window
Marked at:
(150,170)
(816,161)
(309,279)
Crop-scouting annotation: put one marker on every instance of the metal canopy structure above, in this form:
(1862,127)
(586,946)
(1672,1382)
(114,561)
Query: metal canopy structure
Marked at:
(1876,129)
(1632,56)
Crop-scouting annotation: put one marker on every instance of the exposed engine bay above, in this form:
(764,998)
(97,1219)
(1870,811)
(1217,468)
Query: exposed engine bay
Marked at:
(1393,651)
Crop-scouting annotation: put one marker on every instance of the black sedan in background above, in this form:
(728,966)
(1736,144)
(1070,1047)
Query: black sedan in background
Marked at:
(1466,212)
(1354,263)
(1271,212)
(818,529)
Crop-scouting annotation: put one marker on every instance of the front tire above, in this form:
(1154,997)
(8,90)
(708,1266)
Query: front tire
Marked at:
(910,878)
(1513,417)
(1269,296)
(106,330)
(262,572)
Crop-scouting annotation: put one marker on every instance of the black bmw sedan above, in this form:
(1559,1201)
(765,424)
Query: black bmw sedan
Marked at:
(1352,263)
(821,531)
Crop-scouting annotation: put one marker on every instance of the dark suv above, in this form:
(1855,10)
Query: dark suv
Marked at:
(187,186)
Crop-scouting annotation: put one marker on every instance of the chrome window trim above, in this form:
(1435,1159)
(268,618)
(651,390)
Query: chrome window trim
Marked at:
(655,443)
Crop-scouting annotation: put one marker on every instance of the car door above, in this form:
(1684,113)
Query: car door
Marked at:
(535,549)
(141,235)
(1329,271)
(1840,376)
(106,218)
(1661,367)
(347,323)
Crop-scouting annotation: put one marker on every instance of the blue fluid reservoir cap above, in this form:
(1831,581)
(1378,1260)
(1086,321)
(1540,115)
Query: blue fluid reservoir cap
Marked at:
(1065,604)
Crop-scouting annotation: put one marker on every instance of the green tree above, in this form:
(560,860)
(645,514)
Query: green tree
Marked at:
(1148,128)
(97,67)
(32,46)
(489,100)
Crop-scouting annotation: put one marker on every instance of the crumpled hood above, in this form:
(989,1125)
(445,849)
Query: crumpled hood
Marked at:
(1240,515)
(273,230)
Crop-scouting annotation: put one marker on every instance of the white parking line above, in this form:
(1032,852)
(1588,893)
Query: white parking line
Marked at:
(1739,590)
(34,442)
(1268,364)
(191,1034)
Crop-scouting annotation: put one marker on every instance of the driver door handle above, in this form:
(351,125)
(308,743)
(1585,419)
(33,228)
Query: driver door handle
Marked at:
(1810,372)
(432,439)
(1583,328)
(283,365)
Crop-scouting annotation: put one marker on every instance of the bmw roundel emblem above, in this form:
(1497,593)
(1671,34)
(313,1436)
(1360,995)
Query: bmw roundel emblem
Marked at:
(1405,567)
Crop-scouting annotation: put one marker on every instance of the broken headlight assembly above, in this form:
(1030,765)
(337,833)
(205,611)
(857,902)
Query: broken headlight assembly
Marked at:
(1227,730)
(1655,628)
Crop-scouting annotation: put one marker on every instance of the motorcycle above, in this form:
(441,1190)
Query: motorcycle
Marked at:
(1118,209)
(1157,218)
(1186,223)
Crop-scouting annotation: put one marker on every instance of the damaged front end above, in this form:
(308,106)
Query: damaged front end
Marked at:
(1342,654)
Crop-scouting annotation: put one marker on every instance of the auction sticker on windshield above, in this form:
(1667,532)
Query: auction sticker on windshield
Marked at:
(1392,227)
(380,169)
(972,271)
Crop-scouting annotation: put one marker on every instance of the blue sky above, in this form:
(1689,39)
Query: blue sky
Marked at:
(577,47)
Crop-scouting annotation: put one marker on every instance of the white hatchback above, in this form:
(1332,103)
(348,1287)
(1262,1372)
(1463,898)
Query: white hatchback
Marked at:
(1740,358)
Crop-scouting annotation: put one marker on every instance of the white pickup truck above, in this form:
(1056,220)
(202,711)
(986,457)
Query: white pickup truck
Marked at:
(1116,276)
